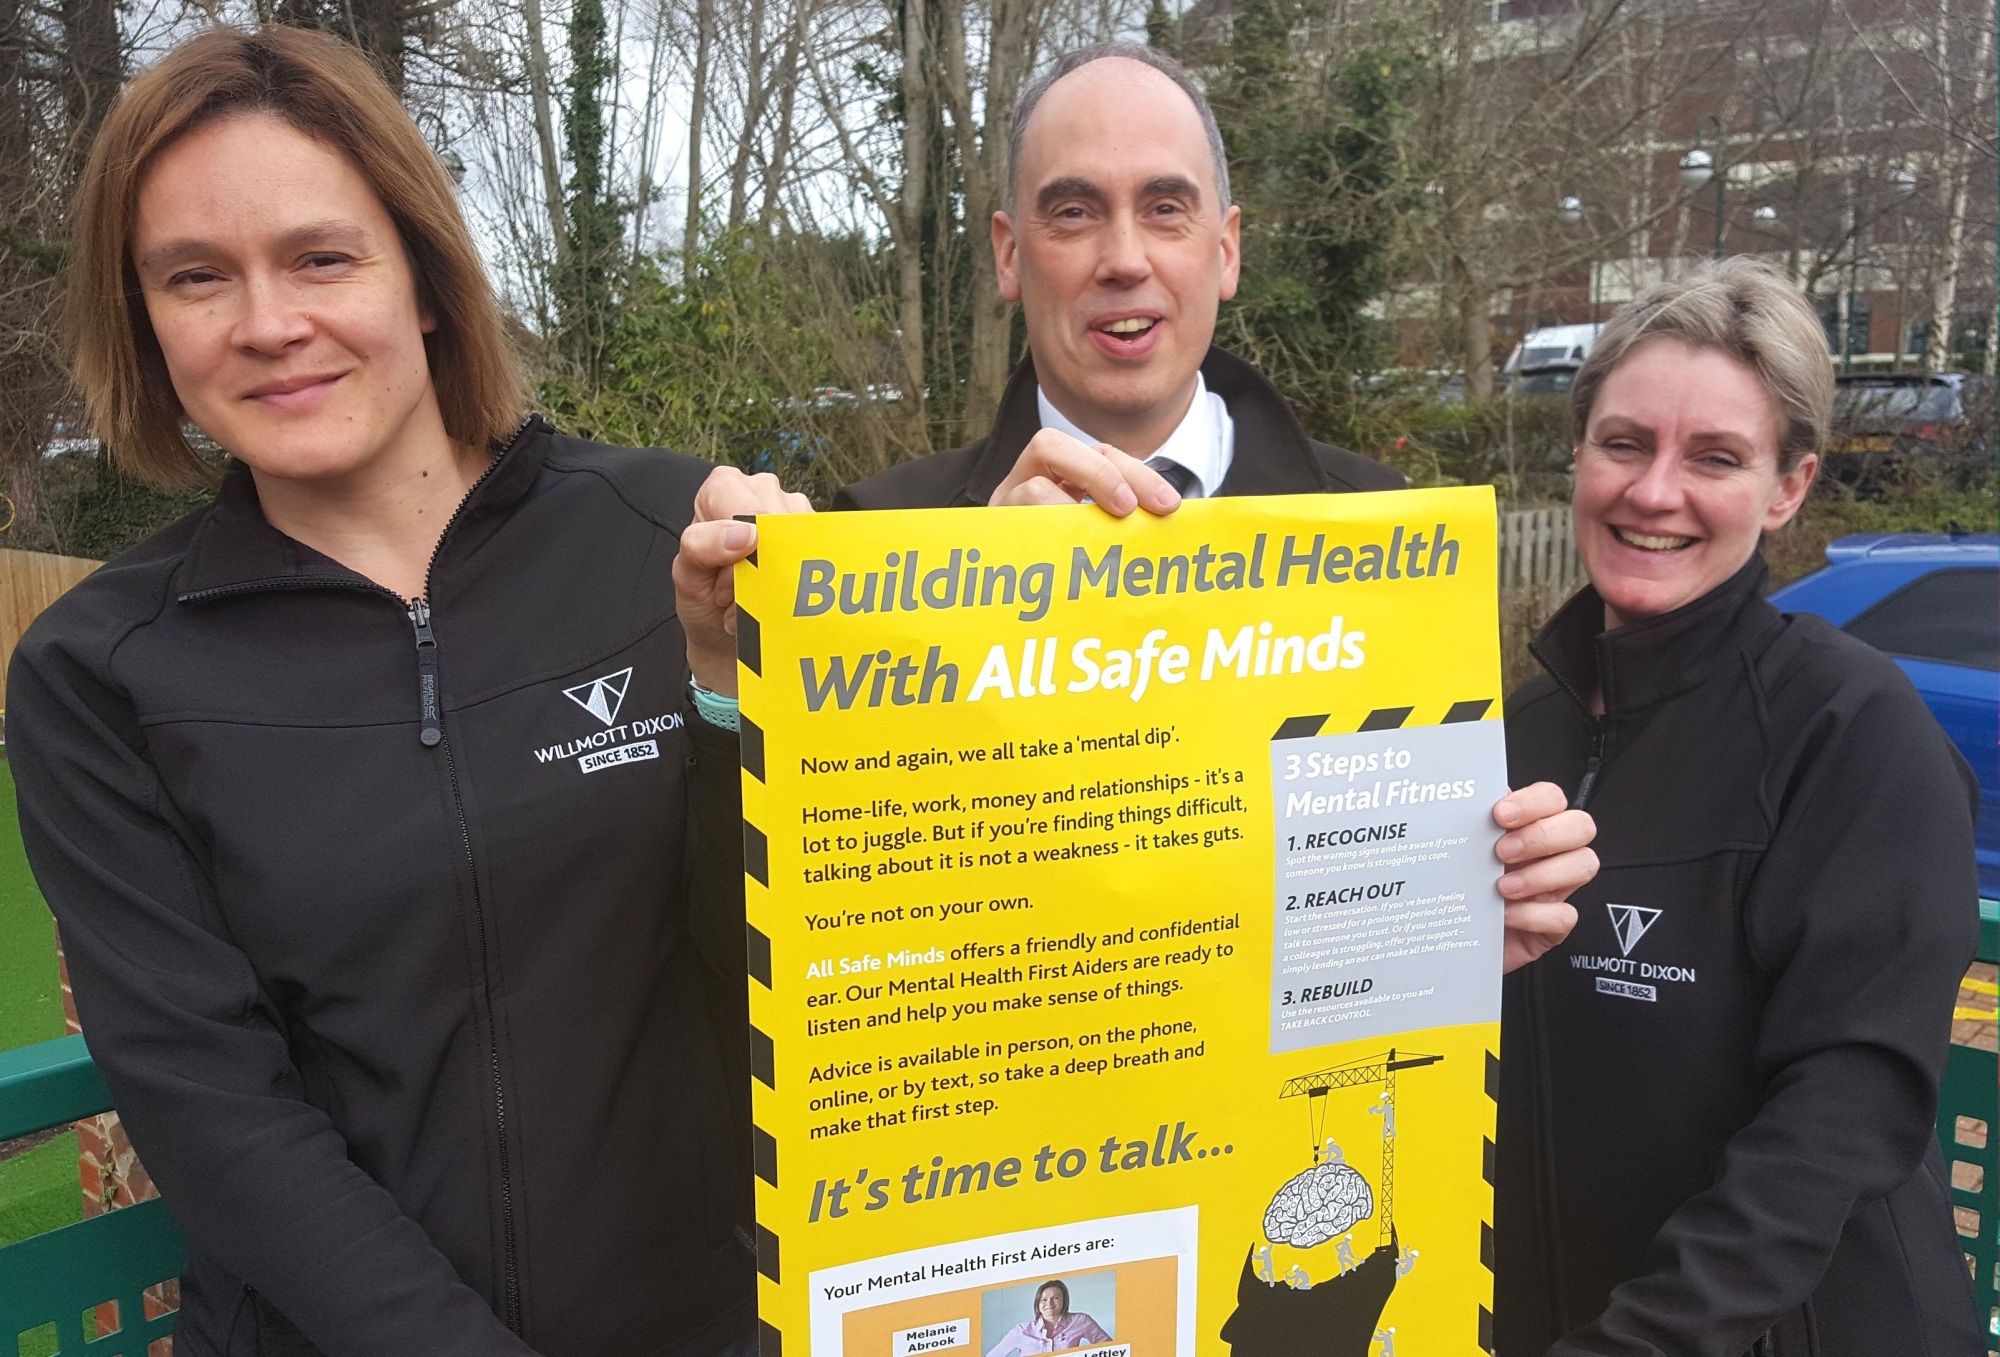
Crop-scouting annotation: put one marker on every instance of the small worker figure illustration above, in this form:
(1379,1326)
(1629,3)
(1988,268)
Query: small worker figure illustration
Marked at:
(1344,1253)
(1386,1110)
(1298,1279)
(1261,1257)
(1387,1338)
(1330,1153)
(1405,1263)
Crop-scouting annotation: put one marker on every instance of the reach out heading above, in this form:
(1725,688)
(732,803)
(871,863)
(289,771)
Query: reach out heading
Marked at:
(906,582)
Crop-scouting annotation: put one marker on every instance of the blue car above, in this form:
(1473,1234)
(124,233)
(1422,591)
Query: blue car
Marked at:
(1933,602)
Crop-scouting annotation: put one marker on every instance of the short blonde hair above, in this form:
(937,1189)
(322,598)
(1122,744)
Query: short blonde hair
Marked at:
(1747,310)
(327,90)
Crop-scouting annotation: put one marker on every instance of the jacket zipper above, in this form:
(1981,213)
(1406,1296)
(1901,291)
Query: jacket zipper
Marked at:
(431,734)
(432,731)
(1592,767)
(1598,732)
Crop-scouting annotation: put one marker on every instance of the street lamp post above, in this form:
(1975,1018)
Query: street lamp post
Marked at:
(1699,166)
(1571,212)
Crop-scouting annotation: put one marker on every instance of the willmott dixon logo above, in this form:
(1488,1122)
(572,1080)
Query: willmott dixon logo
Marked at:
(620,742)
(1630,923)
(602,696)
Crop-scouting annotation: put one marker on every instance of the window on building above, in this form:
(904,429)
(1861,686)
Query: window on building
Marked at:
(1857,322)
(1950,616)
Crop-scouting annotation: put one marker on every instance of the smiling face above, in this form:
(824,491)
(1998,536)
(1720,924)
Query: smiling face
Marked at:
(283,303)
(1677,478)
(1118,249)
(1050,1305)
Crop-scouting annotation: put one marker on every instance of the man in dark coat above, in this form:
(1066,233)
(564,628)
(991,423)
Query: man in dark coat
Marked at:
(1120,243)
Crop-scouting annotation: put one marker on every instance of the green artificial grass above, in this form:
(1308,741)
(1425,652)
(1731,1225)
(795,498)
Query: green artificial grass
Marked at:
(30,989)
(39,1190)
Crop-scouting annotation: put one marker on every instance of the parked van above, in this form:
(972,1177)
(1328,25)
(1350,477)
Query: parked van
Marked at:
(1546,361)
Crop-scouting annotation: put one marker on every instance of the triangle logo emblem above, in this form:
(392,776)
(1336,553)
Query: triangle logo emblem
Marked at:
(1630,923)
(603,696)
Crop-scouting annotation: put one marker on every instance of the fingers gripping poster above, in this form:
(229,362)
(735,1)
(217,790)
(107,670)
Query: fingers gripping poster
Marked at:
(1125,949)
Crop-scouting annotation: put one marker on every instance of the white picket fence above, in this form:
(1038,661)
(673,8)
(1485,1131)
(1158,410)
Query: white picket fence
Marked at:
(1538,550)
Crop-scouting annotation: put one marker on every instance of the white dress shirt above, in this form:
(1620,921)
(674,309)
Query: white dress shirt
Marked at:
(1204,443)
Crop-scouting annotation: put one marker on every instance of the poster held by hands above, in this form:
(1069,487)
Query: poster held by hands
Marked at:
(1125,952)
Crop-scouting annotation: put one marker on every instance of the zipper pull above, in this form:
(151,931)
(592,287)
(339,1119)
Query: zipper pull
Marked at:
(1590,769)
(427,675)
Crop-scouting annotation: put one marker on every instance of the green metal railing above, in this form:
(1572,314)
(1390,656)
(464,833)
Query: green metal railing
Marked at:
(54,1279)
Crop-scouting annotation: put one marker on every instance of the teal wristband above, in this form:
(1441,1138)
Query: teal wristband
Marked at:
(723,713)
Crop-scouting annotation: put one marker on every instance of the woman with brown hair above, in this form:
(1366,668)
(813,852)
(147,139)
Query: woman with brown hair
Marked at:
(388,804)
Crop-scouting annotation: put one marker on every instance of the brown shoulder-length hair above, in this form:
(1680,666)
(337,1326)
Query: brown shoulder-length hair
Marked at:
(328,91)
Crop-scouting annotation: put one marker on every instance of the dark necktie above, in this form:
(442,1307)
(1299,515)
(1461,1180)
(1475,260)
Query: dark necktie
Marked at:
(1179,477)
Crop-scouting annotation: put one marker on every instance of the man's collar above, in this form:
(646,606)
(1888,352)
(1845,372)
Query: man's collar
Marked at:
(236,548)
(1273,454)
(1196,442)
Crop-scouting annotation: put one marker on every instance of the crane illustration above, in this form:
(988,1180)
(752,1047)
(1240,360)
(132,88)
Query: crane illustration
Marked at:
(1369,1070)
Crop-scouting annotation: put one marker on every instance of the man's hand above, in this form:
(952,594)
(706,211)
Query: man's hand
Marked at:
(705,568)
(1547,853)
(1056,469)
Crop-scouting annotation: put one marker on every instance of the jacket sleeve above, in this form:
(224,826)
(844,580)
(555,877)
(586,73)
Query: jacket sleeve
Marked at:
(193,1049)
(715,903)
(1863,915)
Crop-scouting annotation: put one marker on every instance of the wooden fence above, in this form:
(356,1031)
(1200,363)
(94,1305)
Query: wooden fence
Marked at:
(29,582)
(1538,551)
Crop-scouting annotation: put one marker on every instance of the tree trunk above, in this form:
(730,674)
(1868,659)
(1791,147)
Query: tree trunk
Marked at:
(24,367)
(1474,304)
(545,129)
(757,92)
(982,154)
(92,69)
(1958,175)
(649,121)
(911,202)
(786,78)
(697,117)
(1009,57)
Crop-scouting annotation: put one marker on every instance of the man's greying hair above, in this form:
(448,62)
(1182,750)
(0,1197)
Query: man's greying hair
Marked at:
(1747,310)
(1024,108)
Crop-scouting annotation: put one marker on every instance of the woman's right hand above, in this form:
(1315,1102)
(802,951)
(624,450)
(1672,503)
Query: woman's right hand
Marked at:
(705,568)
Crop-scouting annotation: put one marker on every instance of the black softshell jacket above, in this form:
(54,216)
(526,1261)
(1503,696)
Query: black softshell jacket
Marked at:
(382,936)
(1718,1096)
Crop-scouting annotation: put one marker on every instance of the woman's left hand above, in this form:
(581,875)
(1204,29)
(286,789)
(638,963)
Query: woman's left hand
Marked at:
(1547,852)
(705,568)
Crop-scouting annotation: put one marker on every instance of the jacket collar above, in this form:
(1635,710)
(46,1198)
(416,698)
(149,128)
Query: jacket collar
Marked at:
(237,549)
(1645,663)
(1273,454)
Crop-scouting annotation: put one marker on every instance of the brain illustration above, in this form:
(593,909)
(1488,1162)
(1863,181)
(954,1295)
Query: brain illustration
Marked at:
(1317,1205)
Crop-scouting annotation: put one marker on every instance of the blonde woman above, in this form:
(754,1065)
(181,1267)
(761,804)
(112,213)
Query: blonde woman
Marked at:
(1716,1120)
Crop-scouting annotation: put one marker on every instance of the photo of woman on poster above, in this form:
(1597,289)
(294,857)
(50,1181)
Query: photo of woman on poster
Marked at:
(1054,1328)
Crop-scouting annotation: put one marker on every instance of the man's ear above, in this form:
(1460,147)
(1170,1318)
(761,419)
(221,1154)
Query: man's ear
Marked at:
(1232,251)
(1006,257)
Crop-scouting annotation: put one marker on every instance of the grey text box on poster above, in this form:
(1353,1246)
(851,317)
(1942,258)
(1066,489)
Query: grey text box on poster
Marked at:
(1387,915)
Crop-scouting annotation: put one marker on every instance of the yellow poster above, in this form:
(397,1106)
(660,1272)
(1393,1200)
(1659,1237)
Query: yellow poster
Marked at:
(1124,942)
